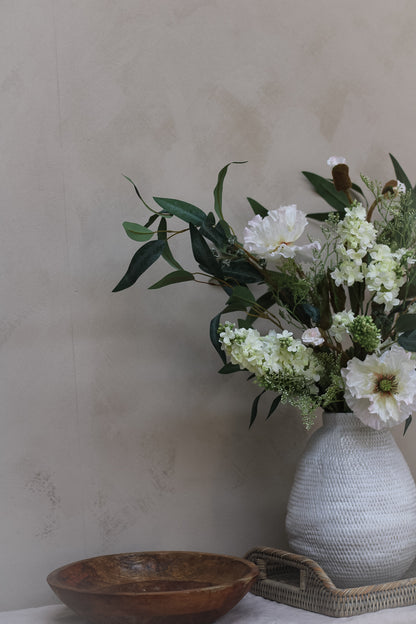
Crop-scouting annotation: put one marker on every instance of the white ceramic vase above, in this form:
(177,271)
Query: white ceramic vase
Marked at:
(352,507)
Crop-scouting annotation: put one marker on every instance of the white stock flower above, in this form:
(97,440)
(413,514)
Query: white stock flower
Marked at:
(356,237)
(340,324)
(385,275)
(271,354)
(381,390)
(273,235)
(336,160)
(312,337)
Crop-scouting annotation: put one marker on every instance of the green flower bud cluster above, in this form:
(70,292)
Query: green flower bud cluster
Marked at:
(365,333)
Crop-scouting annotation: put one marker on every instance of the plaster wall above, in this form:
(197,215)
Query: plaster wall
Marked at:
(117,434)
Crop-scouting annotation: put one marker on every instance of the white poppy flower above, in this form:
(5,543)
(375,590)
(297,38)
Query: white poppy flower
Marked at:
(381,390)
(336,160)
(273,235)
(312,337)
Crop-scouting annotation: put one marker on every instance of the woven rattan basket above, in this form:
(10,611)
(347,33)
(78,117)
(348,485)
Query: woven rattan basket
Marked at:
(300,582)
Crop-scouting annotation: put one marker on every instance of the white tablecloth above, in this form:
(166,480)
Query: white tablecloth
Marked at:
(251,610)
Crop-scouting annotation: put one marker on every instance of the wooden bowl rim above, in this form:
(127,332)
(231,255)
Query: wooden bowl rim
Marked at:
(250,575)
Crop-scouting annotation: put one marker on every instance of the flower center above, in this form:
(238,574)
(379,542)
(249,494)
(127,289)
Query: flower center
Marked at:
(386,384)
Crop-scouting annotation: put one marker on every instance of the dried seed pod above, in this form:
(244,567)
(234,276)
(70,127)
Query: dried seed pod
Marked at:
(341,177)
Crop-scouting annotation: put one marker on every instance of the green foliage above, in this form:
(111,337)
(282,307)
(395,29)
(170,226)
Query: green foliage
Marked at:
(301,296)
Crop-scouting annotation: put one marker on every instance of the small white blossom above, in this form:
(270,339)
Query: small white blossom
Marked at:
(312,337)
(385,275)
(273,235)
(347,272)
(336,160)
(401,188)
(381,390)
(273,353)
(341,321)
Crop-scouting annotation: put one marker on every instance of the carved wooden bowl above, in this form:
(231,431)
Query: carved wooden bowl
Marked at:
(153,587)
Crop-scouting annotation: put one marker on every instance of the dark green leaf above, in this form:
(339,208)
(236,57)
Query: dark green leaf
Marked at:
(325,318)
(319,216)
(183,210)
(274,405)
(152,219)
(310,311)
(406,322)
(173,278)
(167,254)
(407,340)
(400,174)
(225,228)
(213,232)
(242,272)
(138,193)
(242,293)
(141,261)
(219,187)
(137,232)
(255,407)
(264,302)
(407,424)
(214,337)
(229,368)
(257,208)
(203,254)
(356,292)
(244,323)
(326,189)
(337,294)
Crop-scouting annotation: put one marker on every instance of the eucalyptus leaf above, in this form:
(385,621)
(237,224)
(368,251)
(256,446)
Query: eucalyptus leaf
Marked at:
(257,208)
(219,188)
(152,219)
(400,174)
(214,337)
(137,232)
(242,272)
(212,232)
(407,340)
(173,278)
(406,322)
(264,302)
(229,368)
(242,294)
(203,254)
(254,408)
(326,189)
(407,424)
(187,212)
(138,193)
(274,405)
(319,216)
(167,254)
(141,261)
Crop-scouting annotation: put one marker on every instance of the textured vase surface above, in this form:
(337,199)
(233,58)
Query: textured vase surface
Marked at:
(352,507)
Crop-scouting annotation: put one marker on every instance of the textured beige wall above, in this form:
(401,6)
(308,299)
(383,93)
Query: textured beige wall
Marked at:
(116,431)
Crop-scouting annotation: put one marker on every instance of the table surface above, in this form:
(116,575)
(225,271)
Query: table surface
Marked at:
(251,610)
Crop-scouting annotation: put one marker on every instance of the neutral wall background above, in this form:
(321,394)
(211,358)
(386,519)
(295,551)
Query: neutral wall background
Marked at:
(116,431)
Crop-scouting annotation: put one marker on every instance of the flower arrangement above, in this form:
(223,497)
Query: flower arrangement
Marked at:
(341,309)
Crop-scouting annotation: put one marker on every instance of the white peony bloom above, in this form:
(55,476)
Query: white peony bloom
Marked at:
(381,390)
(335,160)
(312,337)
(273,235)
